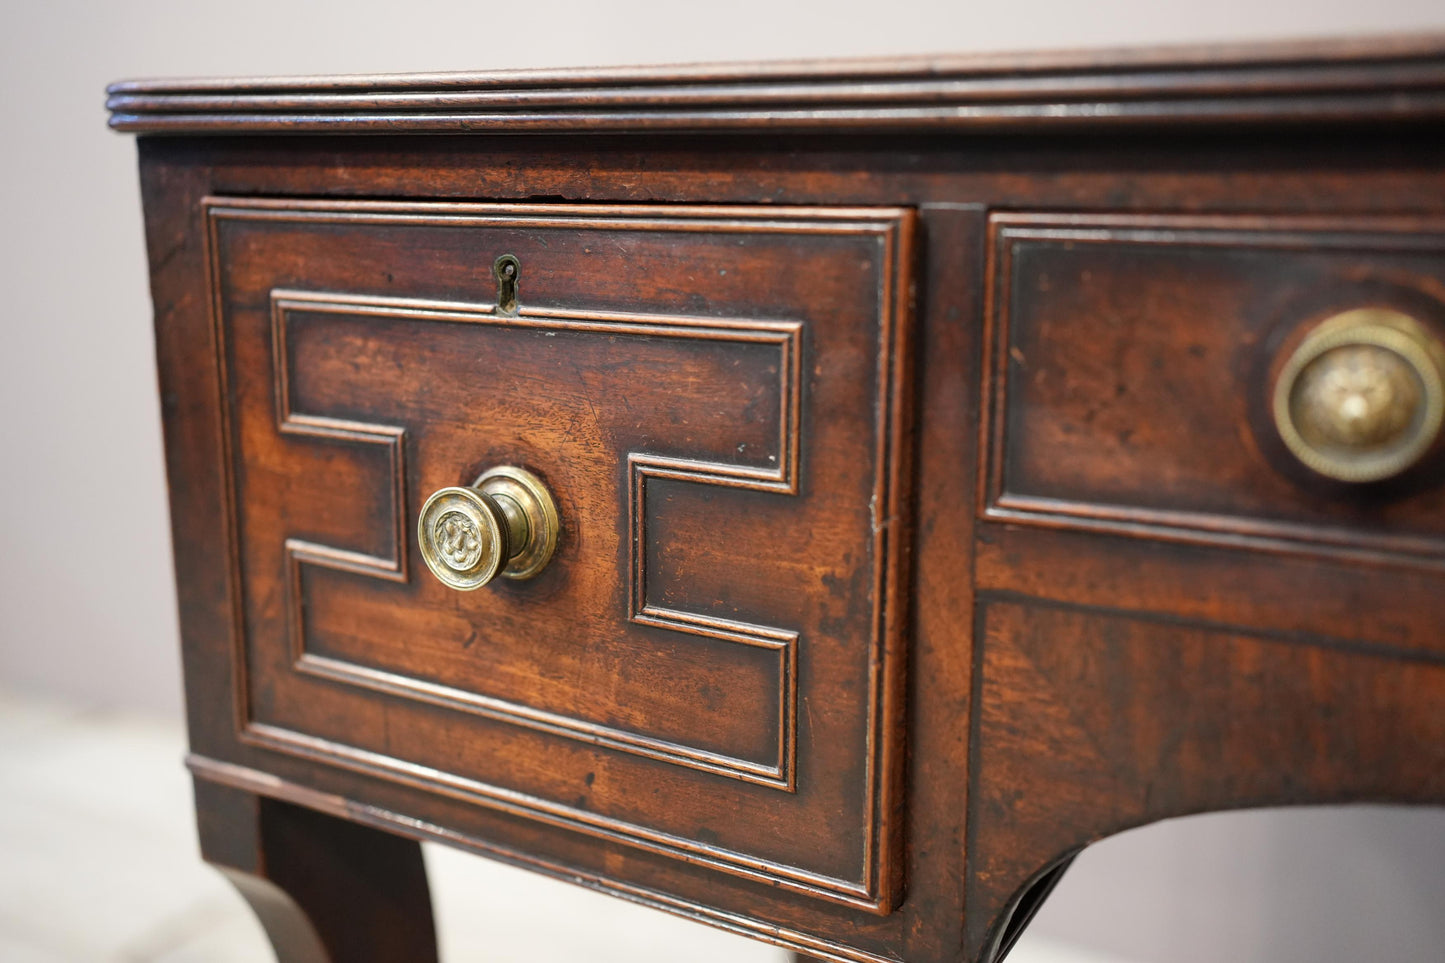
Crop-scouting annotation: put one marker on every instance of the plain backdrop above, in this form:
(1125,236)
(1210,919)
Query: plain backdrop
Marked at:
(86,601)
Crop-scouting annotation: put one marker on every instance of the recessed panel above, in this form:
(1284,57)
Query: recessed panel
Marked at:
(1132,360)
(661,374)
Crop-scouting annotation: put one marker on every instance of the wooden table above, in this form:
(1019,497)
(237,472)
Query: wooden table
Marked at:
(930,467)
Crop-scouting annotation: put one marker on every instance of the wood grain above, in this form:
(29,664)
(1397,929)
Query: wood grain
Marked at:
(325,889)
(1131,361)
(1091,723)
(1070,631)
(663,408)
(1346,82)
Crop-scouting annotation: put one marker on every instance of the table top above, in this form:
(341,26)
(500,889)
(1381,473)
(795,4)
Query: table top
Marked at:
(1401,78)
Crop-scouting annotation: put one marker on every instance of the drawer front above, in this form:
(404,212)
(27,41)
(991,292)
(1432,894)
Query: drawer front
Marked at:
(705,667)
(1133,362)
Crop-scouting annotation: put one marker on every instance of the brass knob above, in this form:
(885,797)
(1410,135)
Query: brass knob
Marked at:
(505,524)
(1362,397)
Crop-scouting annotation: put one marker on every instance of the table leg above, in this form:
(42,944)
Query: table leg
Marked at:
(326,890)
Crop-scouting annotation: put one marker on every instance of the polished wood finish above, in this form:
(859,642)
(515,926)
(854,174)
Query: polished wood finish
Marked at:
(1096,90)
(673,440)
(325,888)
(923,515)
(1132,365)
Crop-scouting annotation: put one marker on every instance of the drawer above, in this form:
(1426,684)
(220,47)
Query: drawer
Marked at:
(714,399)
(1137,365)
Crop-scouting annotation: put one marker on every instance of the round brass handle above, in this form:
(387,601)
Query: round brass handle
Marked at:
(1362,397)
(505,524)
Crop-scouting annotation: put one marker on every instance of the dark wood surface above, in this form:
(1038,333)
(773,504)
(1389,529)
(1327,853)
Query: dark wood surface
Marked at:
(1401,78)
(713,550)
(921,524)
(324,888)
(1130,364)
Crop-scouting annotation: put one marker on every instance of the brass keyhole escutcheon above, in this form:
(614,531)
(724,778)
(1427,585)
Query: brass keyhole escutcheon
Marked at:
(505,524)
(507,272)
(1362,397)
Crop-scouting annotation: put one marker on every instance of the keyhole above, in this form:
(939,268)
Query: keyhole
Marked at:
(507,270)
